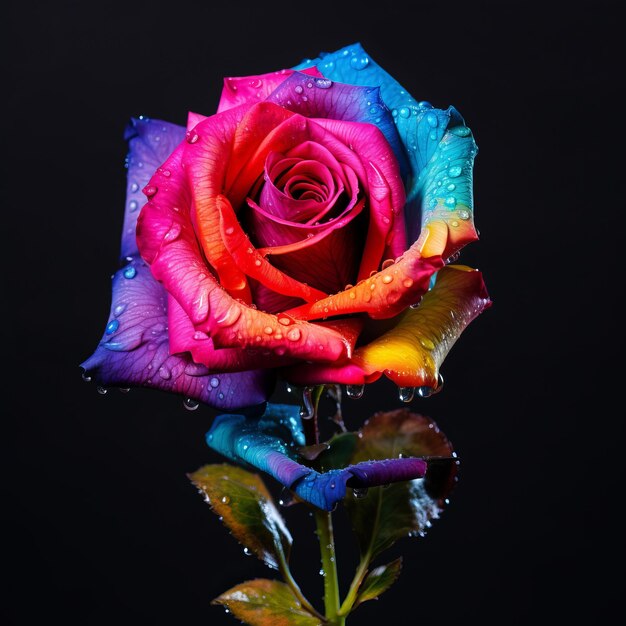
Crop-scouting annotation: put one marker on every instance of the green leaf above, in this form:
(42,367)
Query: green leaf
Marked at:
(263,602)
(385,514)
(340,450)
(379,580)
(246,507)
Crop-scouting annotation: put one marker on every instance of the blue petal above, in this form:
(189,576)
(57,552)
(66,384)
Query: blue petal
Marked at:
(150,142)
(420,126)
(270,443)
(134,350)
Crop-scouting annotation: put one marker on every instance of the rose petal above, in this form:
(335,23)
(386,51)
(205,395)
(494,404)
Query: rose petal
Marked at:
(185,338)
(150,142)
(444,190)
(249,90)
(349,102)
(411,353)
(267,443)
(420,126)
(134,351)
(253,263)
(386,237)
(384,294)
(168,242)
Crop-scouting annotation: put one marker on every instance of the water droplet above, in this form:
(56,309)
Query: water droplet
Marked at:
(432,120)
(427,343)
(150,191)
(173,233)
(101,390)
(294,334)
(124,389)
(424,104)
(359,62)
(247,551)
(164,372)
(450,202)
(404,112)
(323,83)
(387,278)
(285,321)
(415,305)
(255,83)
(200,336)
(130,272)
(85,376)
(352,295)
(359,492)
(453,257)
(355,391)
(307,410)
(268,330)
(258,262)
(406,393)
(192,136)
(112,326)
(322,572)
(190,404)
(407,282)
(214,382)
(299,89)
(425,392)
(119,309)
(133,205)
(225,499)
(134,188)
(455,171)
(463,214)
(229,316)
(433,135)
(451,187)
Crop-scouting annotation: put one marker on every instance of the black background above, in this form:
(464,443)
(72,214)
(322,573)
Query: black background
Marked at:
(104,527)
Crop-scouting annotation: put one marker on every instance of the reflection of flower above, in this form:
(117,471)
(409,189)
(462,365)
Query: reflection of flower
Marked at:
(278,232)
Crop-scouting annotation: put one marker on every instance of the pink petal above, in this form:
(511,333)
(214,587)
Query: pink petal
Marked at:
(249,90)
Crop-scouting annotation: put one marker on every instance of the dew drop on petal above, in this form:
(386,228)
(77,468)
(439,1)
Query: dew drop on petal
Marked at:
(294,334)
(359,62)
(112,326)
(464,214)
(455,171)
(214,382)
(432,120)
(130,272)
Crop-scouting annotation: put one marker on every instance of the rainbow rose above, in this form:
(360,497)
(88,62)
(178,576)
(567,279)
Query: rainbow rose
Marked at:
(305,230)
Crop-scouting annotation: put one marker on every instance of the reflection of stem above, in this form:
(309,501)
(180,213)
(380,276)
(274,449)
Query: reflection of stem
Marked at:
(324,523)
(293,585)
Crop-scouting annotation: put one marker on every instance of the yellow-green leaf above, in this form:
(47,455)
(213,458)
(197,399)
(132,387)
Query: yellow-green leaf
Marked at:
(246,507)
(379,580)
(263,602)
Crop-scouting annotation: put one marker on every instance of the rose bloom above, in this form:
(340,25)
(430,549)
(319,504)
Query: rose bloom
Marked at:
(304,230)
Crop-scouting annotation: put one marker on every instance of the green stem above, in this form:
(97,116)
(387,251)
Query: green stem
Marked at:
(355,585)
(324,523)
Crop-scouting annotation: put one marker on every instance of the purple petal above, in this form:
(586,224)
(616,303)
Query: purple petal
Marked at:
(150,142)
(269,443)
(134,351)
